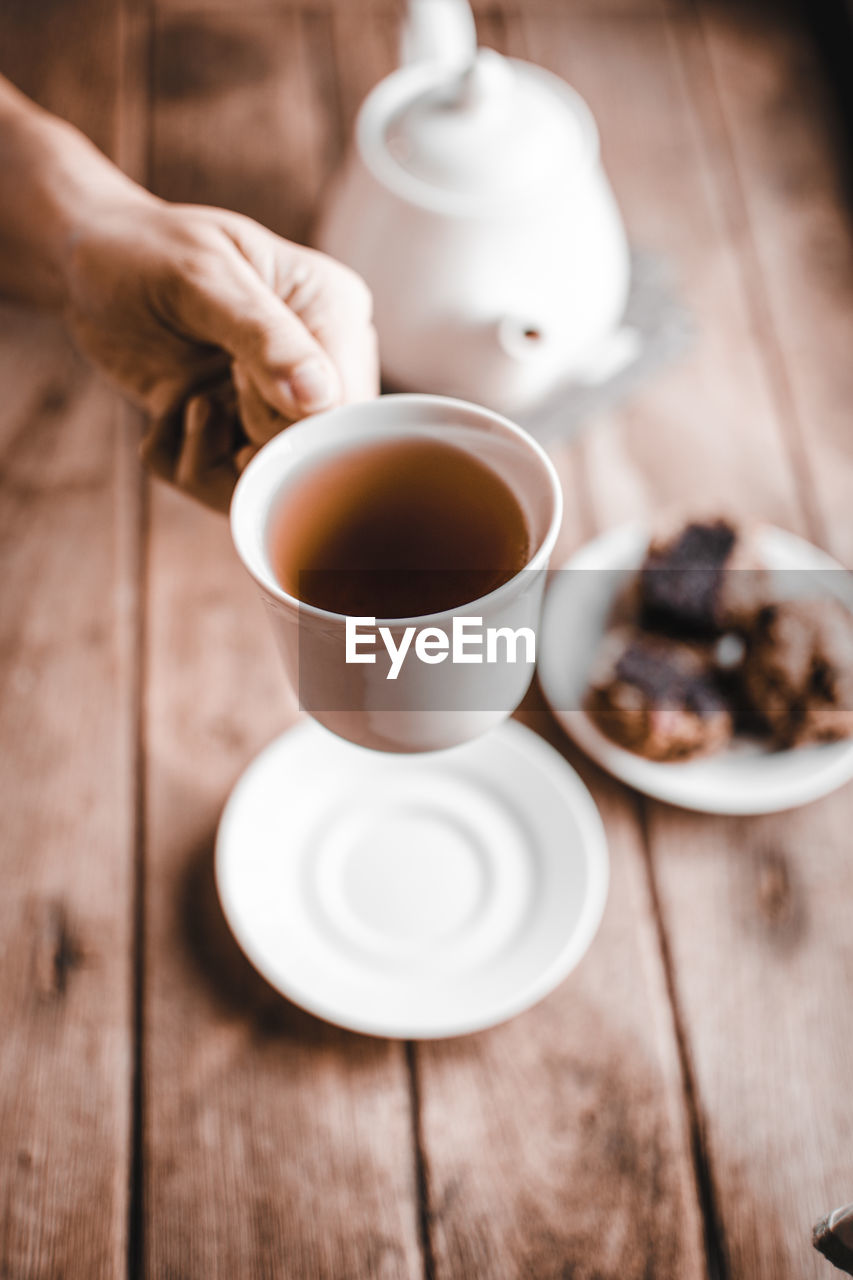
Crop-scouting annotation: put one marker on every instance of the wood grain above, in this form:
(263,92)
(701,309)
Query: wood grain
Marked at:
(705,428)
(67,638)
(759,970)
(66,799)
(238,119)
(557,1145)
(756,951)
(274,1145)
(680,1106)
(765,106)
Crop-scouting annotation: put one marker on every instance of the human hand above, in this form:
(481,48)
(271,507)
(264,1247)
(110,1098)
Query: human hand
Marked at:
(224,332)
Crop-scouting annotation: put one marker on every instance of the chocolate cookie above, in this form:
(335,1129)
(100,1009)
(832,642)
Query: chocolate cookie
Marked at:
(798,671)
(701,579)
(659,697)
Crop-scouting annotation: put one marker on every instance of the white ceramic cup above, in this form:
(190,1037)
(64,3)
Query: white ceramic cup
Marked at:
(428,706)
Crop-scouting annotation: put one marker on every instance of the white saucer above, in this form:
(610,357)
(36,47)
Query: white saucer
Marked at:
(413,896)
(748,778)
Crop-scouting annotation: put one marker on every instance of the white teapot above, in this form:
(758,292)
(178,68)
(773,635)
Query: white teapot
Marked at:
(474,204)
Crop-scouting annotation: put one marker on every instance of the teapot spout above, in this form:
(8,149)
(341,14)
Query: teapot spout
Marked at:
(439,31)
(522,340)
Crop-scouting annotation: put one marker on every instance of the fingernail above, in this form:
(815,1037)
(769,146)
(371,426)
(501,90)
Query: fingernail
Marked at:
(312,385)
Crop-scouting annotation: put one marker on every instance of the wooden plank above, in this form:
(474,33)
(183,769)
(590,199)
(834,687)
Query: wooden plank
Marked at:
(355,77)
(557,1144)
(38,56)
(68,533)
(66,855)
(275,1145)
(235,105)
(707,423)
(759,969)
(763,94)
(756,951)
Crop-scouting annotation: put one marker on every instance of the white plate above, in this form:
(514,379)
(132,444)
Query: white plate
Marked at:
(412,896)
(748,778)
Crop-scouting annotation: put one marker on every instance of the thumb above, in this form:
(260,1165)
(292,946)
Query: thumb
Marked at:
(240,313)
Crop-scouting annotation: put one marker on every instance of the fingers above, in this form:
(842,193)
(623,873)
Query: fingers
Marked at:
(244,456)
(260,422)
(356,357)
(336,306)
(205,467)
(200,447)
(229,304)
(297,323)
(161,445)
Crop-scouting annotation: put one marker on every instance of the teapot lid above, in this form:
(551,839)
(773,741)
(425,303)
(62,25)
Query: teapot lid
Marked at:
(496,129)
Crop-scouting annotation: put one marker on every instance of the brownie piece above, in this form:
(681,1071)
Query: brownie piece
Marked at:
(659,697)
(701,580)
(798,671)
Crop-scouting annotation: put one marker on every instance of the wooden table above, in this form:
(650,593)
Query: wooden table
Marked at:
(682,1106)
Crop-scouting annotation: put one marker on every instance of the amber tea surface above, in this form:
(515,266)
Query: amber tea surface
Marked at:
(398,529)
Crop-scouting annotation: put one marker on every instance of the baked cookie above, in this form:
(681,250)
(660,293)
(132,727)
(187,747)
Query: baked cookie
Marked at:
(798,671)
(701,579)
(659,697)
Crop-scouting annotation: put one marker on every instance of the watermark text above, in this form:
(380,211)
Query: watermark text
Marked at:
(468,642)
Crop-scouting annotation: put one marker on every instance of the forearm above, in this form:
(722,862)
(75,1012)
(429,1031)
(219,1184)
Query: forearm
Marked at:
(54,182)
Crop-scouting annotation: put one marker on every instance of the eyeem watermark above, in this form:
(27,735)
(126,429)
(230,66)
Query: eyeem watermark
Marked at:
(468,642)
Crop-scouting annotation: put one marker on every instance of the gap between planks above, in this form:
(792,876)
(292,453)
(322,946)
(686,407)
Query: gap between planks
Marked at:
(132,147)
(716,1253)
(133,505)
(713,1235)
(422,1187)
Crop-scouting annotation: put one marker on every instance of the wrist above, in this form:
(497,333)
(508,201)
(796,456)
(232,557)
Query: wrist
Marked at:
(86,194)
(64,186)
